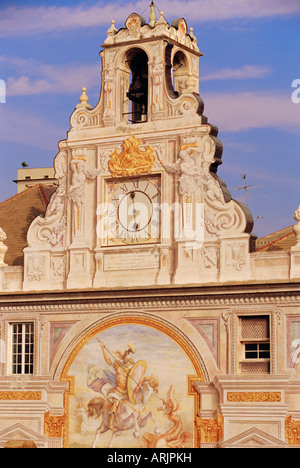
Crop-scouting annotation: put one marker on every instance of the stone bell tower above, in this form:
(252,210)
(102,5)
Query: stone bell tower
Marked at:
(139,201)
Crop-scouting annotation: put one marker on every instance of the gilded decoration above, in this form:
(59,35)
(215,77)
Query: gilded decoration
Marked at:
(54,425)
(292,431)
(210,430)
(22,396)
(150,389)
(263,397)
(132,160)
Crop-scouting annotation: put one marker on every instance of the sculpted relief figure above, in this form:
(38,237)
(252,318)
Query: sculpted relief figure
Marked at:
(78,179)
(188,167)
(50,229)
(56,201)
(157,82)
(193,167)
(77,188)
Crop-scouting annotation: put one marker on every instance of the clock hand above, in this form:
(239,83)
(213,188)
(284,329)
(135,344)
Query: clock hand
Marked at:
(132,196)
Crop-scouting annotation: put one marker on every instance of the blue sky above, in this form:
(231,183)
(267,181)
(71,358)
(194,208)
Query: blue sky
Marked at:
(49,50)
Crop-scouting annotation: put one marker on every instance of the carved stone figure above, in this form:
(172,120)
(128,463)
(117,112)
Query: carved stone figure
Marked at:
(157,72)
(3,248)
(56,201)
(78,185)
(188,168)
(78,180)
(36,268)
(296,229)
(236,255)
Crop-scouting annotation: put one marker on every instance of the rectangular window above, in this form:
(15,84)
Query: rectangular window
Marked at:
(254,345)
(22,340)
(257,350)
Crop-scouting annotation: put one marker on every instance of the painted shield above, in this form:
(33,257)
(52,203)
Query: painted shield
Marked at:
(135,379)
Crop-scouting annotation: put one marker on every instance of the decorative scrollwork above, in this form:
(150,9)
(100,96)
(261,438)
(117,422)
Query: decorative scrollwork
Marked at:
(245,397)
(210,430)
(79,119)
(50,229)
(54,425)
(22,396)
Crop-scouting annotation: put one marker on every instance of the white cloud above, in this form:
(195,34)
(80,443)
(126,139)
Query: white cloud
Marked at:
(245,72)
(233,112)
(20,21)
(24,86)
(38,20)
(37,78)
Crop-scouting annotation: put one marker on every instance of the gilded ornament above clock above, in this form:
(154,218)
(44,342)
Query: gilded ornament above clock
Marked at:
(132,160)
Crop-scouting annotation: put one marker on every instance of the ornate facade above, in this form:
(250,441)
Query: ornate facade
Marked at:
(145,317)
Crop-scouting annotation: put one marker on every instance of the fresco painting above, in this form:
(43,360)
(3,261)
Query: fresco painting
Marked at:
(131,391)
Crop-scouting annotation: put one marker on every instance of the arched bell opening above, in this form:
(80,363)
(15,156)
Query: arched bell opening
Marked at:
(180,72)
(137,94)
(177,72)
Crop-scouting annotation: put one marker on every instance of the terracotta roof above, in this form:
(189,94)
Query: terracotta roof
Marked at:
(279,240)
(16,215)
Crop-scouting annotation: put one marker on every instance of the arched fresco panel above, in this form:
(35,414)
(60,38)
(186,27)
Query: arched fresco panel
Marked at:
(131,386)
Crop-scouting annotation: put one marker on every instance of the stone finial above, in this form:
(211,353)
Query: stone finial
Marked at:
(161,19)
(297,214)
(3,247)
(84,100)
(296,229)
(152,16)
(111,32)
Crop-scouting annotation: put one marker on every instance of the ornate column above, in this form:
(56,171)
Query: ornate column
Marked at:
(54,428)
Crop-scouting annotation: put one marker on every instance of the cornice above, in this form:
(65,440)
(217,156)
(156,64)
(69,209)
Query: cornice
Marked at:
(161,37)
(32,383)
(216,295)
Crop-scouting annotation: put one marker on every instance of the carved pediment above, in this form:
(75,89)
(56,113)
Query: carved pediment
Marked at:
(253,438)
(19,432)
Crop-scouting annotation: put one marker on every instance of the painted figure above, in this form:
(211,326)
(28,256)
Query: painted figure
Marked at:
(123,394)
(122,366)
(174,437)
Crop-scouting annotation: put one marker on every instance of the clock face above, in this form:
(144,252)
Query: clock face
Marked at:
(134,210)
